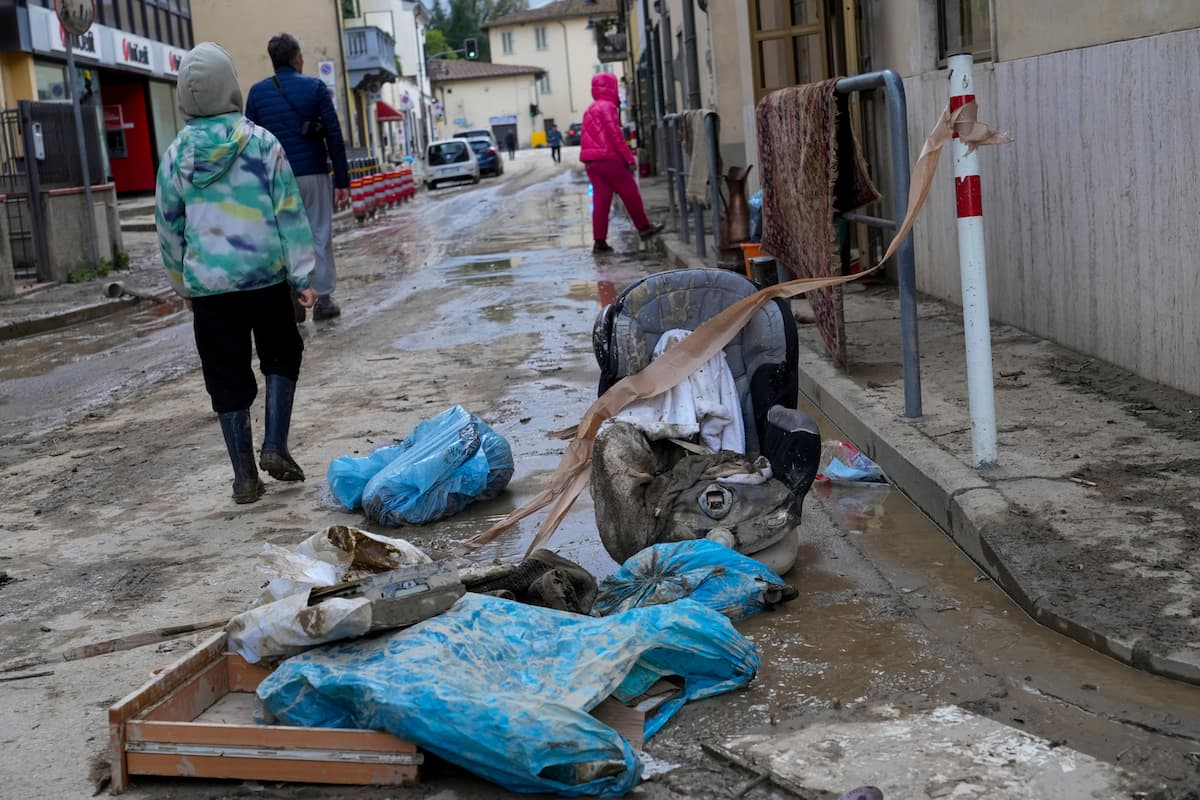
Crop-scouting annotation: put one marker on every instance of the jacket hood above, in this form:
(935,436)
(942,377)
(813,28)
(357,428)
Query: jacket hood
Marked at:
(606,87)
(208,82)
(209,146)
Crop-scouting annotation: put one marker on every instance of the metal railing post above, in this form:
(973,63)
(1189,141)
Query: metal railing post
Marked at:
(714,180)
(897,111)
(698,212)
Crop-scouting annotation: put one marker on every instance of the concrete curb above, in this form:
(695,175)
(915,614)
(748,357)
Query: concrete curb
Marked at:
(50,322)
(958,500)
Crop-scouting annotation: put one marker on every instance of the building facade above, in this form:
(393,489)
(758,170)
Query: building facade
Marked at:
(402,111)
(1087,213)
(474,94)
(354,60)
(127,64)
(559,38)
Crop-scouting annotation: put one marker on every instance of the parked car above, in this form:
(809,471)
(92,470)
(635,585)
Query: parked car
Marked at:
(450,160)
(574,134)
(478,133)
(489,160)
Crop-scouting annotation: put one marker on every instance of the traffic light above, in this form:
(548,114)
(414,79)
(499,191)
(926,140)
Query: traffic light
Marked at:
(472,48)
(534,110)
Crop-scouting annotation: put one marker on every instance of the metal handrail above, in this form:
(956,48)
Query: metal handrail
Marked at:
(897,110)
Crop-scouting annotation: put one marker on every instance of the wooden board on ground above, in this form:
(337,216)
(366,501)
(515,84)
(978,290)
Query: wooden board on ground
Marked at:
(196,719)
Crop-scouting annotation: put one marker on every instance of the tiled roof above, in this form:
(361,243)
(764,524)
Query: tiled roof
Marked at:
(559,10)
(443,70)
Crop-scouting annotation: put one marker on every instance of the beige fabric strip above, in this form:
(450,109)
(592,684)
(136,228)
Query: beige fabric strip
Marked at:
(677,363)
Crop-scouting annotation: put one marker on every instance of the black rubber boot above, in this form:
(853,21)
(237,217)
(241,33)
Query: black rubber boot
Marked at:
(274,457)
(601,246)
(235,425)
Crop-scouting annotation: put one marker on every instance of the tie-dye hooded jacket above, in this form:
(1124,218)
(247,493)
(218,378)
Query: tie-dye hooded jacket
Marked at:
(228,210)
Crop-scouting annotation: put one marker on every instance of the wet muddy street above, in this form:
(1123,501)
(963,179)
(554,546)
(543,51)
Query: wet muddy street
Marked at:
(117,516)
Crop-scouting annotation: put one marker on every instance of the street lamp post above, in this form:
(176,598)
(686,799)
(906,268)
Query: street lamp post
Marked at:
(76,18)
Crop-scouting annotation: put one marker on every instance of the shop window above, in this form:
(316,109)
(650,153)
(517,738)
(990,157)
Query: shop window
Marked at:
(51,83)
(964,26)
(788,43)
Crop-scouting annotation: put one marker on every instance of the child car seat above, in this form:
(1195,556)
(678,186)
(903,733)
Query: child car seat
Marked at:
(763,359)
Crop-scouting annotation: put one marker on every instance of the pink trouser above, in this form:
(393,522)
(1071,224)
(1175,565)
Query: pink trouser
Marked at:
(609,177)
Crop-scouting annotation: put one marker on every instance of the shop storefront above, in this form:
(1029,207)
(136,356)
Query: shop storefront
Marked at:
(132,79)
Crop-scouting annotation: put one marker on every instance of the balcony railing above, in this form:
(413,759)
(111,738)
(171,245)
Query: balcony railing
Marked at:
(370,56)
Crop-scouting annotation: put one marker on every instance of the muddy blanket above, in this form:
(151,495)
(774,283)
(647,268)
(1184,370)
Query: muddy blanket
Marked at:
(650,492)
(504,689)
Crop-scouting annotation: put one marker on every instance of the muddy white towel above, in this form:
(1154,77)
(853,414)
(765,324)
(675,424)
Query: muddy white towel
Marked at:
(705,404)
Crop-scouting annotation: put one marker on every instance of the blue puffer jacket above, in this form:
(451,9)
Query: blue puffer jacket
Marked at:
(267,107)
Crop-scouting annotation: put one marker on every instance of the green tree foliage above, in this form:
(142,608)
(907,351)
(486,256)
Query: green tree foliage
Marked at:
(435,43)
(465,19)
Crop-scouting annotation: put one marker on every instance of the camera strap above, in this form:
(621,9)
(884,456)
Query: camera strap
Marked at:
(288,100)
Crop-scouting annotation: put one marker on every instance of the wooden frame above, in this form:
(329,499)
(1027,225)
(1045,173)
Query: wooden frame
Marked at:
(154,731)
(788,33)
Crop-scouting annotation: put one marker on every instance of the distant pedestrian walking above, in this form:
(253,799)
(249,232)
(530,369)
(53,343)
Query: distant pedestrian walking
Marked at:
(298,111)
(610,163)
(510,142)
(554,138)
(234,235)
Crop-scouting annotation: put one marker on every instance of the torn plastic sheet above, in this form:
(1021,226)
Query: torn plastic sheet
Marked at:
(504,689)
(705,571)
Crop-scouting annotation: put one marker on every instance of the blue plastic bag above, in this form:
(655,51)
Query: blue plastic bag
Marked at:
(756,216)
(705,571)
(348,475)
(504,689)
(446,462)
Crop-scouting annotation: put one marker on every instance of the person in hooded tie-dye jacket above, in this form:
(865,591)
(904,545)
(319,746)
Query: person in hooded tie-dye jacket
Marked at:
(234,237)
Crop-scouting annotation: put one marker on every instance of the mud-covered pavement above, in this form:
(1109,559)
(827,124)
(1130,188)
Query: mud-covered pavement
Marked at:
(117,515)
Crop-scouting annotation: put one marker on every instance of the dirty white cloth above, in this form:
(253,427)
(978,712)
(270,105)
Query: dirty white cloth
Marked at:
(695,146)
(705,404)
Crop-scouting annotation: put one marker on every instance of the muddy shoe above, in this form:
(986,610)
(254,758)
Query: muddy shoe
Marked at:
(326,308)
(650,230)
(601,246)
(235,426)
(275,458)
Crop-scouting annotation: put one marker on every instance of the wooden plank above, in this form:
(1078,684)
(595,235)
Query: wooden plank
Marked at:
(244,676)
(150,693)
(267,736)
(265,769)
(190,700)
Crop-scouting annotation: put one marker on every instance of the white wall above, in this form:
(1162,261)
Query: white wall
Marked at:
(1091,214)
(570,52)
(477,101)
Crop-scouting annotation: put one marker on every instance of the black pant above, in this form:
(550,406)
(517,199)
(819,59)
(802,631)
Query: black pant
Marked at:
(556,154)
(224,323)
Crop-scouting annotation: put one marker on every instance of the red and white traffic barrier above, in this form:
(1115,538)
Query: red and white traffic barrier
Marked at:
(972,258)
(358,199)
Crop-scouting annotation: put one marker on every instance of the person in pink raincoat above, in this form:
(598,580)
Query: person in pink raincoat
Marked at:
(610,163)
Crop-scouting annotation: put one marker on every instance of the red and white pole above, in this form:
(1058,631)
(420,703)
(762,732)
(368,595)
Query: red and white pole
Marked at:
(973,267)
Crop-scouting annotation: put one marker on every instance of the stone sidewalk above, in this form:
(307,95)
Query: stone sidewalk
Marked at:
(1091,521)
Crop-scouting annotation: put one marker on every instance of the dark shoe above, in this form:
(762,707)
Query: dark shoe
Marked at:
(235,425)
(300,311)
(274,457)
(601,246)
(646,232)
(326,308)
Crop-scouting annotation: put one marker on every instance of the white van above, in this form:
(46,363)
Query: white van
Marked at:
(450,160)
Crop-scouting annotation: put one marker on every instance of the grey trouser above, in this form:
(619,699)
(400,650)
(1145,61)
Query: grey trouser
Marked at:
(317,193)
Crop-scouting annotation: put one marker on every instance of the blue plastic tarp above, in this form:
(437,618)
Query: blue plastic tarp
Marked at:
(446,462)
(503,689)
(705,571)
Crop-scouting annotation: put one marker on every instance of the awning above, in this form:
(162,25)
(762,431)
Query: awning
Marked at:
(385,113)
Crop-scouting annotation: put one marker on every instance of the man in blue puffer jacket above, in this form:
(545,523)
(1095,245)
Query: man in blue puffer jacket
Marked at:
(298,111)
